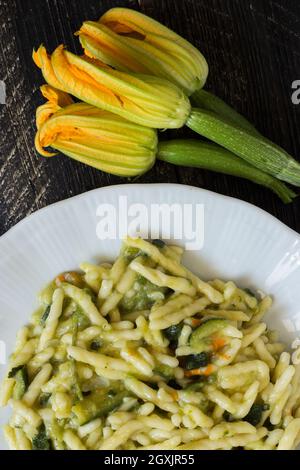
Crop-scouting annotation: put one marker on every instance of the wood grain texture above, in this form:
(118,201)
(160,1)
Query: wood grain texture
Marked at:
(253,49)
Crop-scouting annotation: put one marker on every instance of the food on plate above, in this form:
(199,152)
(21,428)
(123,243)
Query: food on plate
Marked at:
(144,354)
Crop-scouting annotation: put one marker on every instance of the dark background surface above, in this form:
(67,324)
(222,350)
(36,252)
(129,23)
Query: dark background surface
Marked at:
(252,47)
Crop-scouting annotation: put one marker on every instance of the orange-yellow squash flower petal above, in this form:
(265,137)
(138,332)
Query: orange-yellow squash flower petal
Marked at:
(144,99)
(56,96)
(42,59)
(133,42)
(98,138)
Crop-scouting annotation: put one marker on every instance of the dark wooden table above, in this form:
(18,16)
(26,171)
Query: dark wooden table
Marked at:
(253,49)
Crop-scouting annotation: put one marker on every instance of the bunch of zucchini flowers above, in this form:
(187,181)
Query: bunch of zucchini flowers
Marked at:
(134,77)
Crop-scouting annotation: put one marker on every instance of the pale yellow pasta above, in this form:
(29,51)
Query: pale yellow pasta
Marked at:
(226,443)
(120,436)
(217,414)
(204,288)
(22,337)
(235,315)
(40,359)
(184,351)
(155,421)
(6,390)
(244,406)
(156,255)
(26,353)
(134,357)
(263,353)
(129,335)
(110,303)
(230,429)
(236,375)
(196,415)
(146,393)
(105,289)
(278,406)
(93,440)
(164,396)
(281,384)
(147,356)
(111,374)
(143,354)
(146,409)
(61,405)
(89,428)
(84,372)
(176,302)
(52,320)
(128,404)
(85,302)
(10,436)
(167,360)
(252,333)
(72,440)
(250,300)
(159,435)
(229,290)
(176,317)
(89,333)
(169,444)
(175,268)
(286,420)
(118,418)
(174,252)
(296,357)
(117,269)
(126,281)
(178,284)
(282,365)
(232,332)
(31,416)
(132,316)
(23,443)
(93,280)
(34,388)
(275,348)
(290,435)
(99,361)
(102,271)
(184,335)
(140,389)
(295,392)
(114,315)
(141,438)
(220,399)
(263,307)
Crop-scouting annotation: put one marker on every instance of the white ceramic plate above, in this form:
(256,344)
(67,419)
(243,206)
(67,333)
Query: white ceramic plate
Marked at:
(241,242)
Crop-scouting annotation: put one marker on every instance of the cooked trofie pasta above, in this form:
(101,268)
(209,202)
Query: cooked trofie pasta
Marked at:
(143,354)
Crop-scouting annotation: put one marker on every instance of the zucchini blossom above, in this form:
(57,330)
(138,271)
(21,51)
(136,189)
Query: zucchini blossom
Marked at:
(144,99)
(132,42)
(93,136)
